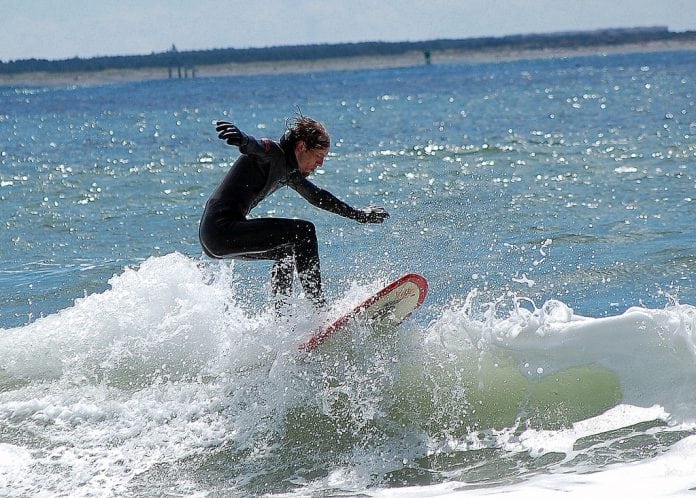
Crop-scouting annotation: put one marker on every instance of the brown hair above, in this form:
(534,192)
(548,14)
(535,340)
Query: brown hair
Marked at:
(311,132)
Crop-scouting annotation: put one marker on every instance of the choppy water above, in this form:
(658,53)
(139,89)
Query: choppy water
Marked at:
(551,205)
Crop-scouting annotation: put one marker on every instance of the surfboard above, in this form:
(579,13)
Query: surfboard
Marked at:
(390,306)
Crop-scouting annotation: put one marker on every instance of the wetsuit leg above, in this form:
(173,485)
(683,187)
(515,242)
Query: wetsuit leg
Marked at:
(283,240)
(282,276)
(309,272)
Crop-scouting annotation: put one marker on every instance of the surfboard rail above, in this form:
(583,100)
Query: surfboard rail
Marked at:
(407,287)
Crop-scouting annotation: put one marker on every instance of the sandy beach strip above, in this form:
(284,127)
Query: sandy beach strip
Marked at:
(41,79)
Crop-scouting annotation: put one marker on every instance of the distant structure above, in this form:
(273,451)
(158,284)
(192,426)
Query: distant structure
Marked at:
(183,64)
(175,62)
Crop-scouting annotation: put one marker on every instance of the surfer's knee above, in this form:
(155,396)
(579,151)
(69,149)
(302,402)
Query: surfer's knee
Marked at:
(305,230)
(305,226)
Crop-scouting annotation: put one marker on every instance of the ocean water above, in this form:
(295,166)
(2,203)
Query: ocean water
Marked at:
(551,204)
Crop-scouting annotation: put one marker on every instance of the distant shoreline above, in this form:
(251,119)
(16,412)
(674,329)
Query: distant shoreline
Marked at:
(414,58)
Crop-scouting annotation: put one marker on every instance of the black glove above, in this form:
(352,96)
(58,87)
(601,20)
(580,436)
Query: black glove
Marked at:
(372,215)
(231,134)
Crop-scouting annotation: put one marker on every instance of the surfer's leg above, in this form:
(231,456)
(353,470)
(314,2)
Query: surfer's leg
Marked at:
(277,239)
(281,277)
(305,249)
(308,266)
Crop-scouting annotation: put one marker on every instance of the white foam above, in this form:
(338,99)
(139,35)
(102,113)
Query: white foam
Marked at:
(670,474)
(539,442)
(12,459)
(653,352)
(169,363)
(161,319)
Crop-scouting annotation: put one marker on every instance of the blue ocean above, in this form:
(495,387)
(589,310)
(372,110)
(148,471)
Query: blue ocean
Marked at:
(551,204)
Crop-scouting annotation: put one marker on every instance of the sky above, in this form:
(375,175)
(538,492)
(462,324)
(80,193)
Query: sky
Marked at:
(62,29)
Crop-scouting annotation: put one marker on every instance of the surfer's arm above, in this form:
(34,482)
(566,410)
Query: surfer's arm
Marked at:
(325,200)
(247,144)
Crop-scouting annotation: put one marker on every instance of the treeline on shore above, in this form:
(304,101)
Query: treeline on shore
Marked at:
(193,58)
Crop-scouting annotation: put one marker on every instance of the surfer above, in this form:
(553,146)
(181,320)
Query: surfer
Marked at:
(264,166)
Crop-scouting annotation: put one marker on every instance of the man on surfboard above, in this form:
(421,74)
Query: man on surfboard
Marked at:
(264,166)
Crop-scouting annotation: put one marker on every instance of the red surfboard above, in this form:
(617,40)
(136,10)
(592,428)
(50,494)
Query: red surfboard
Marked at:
(391,305)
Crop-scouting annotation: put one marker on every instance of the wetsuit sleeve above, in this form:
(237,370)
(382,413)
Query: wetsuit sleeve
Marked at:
(323,199)
(260,147)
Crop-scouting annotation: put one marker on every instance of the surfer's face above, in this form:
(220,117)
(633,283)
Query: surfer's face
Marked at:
(309,159)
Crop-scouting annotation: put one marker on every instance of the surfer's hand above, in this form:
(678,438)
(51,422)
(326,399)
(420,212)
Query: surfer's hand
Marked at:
(372,215)
(231,134)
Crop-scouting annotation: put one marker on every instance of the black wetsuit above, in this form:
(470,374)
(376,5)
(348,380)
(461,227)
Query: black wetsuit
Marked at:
(225,232)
